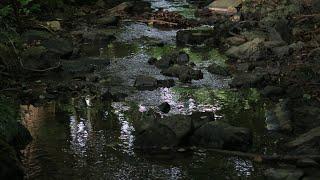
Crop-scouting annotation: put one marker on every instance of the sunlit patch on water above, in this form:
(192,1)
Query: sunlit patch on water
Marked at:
(126,134)
(243,167)
(173,173)
(79,132)
(126,128)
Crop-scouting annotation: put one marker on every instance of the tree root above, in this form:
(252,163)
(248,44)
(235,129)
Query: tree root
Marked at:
(266,158)
(29,69)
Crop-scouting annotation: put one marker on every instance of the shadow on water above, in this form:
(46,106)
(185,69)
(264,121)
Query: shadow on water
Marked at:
(74,141)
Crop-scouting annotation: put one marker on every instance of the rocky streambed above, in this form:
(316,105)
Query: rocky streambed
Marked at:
(127,99)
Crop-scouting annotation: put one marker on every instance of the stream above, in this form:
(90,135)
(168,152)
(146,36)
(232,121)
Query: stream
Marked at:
(78,139)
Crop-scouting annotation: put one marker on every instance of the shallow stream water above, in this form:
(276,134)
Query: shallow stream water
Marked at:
(75,141)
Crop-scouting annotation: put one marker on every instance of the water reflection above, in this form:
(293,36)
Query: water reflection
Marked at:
(126,129)
(243,167)
(79,132)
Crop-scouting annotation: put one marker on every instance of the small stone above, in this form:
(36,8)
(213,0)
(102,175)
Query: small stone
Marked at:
(181,150)
(164,107)
(42,97)
(54,25)
(165,148)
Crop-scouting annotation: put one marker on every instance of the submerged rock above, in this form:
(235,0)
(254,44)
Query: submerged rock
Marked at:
(222,136)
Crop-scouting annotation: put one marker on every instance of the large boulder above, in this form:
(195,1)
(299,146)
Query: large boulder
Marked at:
(152,131)
(221,135)
(253,50)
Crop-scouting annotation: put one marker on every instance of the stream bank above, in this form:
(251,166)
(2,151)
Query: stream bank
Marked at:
(97,115)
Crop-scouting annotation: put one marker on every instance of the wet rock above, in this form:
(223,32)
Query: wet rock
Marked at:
(272,91)
(108,21)
(314,56)
(179,124)
(284,29)
(218,69)
(283,174)
(307,143)
(307,163)
(33,36)
(164,107)
(121,9)
(146,83)
(185,77)
(253,50)
(109,96)
(184,73)
(222,136)
(245,67)
(166,61)
(246,79)
(156,132)
(156,136)
(280,117)
(152,60)
(306,117)
(61,47)
(101,40)
(183,58)
(235,40)
(165,83)
(143,82)
(195,36)
(201,118)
